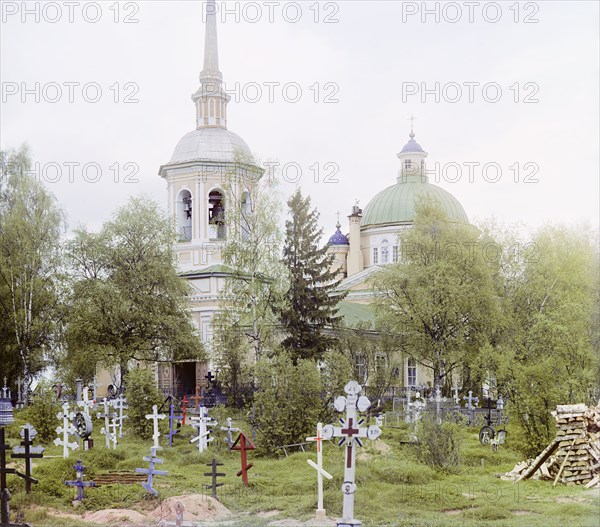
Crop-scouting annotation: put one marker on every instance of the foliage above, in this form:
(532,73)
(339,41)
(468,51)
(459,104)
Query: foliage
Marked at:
(244,326)
(31,281)
(439,443)
(287,402)
(42,412)
(440,299)
(547,354)
(128,301)
(141,393)
(309,305)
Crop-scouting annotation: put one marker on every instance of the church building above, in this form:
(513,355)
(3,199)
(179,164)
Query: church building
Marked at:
(211,157)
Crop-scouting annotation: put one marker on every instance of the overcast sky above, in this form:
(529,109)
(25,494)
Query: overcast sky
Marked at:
(368,60)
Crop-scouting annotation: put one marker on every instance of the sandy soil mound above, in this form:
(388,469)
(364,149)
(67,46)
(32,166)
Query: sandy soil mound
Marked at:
(115,517)
(195,507)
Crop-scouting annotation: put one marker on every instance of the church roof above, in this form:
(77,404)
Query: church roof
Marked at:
(353,313)
(338,238)
(411,146)
(396,204)
(213,144)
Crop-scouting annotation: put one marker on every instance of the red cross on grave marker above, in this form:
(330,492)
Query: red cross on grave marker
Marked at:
(242,443)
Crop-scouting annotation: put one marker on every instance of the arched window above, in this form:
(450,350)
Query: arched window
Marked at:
(184,215)
(385,252)
(216,215)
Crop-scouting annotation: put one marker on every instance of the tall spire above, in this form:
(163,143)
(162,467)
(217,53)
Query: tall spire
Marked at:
(210,70)
(210,99)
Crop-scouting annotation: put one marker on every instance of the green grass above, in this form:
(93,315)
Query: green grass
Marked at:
(393,489)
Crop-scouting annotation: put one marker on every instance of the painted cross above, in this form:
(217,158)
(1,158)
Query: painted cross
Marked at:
(209,377)
(470,400)
(79,483)
(197,397)
(67,429)
(214,475)
(318,466)
(350,434)
(86,404)
(229,429)
(155,416)
(120,404)
(151,471)
(201,424)
(242,443)
(28,452)
(107,415)
(173,425)
(184,405)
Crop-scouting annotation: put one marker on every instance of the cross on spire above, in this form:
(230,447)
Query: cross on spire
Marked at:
(412,123)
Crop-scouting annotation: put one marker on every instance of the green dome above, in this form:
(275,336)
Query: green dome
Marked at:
(396,204)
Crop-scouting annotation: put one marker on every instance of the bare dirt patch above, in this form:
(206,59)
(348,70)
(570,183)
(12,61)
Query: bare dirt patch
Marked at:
(195,507)
(115,517)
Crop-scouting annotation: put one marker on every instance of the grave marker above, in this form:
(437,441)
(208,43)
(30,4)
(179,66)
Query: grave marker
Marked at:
(214,475)
(107,415)
(120,404)
(67,429)
(28,452)
(350,434)
(79,483)
(242,443)
(173,429)
(318,466)
(151,471)
(155,416)
(470,400)
(201,424)
(229,429)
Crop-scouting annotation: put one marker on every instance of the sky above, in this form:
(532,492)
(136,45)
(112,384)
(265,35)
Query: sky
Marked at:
(505,98)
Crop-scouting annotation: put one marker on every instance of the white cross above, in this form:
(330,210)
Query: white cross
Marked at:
(203,433)
(319,468)
(350,433)
(66,430)
(85,403)
(155,416)
(106,430)
(229,429)
(120,404)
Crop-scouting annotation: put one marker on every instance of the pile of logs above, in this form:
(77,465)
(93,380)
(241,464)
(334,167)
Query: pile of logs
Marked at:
(573,457)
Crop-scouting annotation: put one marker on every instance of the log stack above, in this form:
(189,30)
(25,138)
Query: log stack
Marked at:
(573,457)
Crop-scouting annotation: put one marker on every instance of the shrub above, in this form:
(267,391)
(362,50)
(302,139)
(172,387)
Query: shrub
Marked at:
(287,403)
(439,443)
(42,413)
(142,394)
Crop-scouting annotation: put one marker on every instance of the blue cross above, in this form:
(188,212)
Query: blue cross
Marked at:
(153,460)
(173,425)
(79,483)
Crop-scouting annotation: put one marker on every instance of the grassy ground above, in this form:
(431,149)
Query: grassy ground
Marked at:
(393,488)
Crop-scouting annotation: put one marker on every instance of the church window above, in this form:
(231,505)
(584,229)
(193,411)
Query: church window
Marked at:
(412,372)
(375,256)
(216,215)
(384,252)
(395,254)
(184,215)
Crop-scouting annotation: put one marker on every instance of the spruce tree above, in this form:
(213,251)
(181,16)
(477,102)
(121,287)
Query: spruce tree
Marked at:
(310,304)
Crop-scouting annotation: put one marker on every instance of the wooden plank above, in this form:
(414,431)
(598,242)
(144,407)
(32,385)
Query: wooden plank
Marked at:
(538,461)
(563,465)
(594,481)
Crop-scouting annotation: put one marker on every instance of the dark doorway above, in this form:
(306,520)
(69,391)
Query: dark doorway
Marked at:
(184,374)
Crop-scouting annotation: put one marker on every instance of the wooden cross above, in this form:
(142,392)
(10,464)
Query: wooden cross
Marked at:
(120,404)
(151,471)
(155,416)
(350,434)
(4,492)
(242,443)
(203,420)
(27,452)
(318,466)
(229,429)
(214,475)
(173,428)
(106,430)
(470,406)
(79,483)
(209,377)
(197,397)
(67,429)
(184,404)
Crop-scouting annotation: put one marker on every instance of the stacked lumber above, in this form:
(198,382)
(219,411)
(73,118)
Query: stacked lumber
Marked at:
(573,457)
